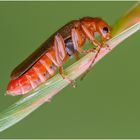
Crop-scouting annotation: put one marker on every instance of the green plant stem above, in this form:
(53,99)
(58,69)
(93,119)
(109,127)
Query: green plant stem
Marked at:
(128,19)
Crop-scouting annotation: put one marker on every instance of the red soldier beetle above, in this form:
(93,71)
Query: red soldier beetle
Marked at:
(54,52)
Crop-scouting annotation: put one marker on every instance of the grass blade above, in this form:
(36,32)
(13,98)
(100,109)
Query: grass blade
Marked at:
(131,17)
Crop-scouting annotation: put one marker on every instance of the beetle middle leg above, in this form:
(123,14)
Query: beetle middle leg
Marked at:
(90,36)
(92,39)
(77,39)
(61,56)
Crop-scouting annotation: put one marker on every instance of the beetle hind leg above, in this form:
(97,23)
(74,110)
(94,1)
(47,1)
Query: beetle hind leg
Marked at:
(72,82)
(61,57)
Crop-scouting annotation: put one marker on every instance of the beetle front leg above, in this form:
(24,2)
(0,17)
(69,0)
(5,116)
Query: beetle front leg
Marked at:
(107,47)
(94,42)
(91,63)
(93,39)
(75,39)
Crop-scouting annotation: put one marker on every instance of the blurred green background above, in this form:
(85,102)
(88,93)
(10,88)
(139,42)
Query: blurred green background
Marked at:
(104,105)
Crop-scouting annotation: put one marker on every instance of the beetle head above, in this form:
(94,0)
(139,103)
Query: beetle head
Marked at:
(98,25)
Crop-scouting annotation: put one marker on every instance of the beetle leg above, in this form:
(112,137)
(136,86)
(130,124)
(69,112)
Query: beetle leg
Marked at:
(72,82)
(108,47)
(80,50)
(91,63)
(94,42)
(90,36)
(60,46)
(61,56)
(76,54)
(59,49)
(75,39)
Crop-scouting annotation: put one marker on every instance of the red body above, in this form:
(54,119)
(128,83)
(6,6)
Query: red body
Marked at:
(53,53)
(33,77)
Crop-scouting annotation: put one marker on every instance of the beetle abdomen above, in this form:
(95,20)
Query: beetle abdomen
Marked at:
(41,71)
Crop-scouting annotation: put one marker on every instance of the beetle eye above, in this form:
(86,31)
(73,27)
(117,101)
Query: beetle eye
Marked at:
(105,30)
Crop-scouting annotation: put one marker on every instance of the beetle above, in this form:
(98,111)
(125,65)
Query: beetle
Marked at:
(68,41)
